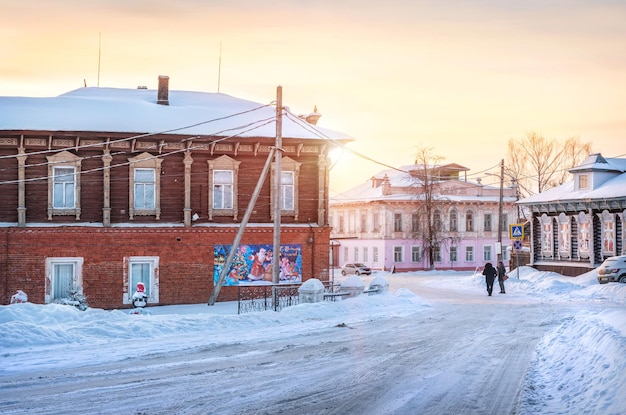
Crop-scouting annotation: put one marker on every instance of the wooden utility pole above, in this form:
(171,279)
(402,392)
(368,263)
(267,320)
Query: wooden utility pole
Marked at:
(242,228)
(277,185)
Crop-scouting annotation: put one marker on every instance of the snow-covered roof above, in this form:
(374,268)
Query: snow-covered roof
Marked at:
(117,110)
(400,179)
(614,188)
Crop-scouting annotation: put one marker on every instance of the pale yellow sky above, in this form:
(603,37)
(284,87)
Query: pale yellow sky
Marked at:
(461,77)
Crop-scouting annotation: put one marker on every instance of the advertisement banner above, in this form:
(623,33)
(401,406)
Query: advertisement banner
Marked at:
(253,264)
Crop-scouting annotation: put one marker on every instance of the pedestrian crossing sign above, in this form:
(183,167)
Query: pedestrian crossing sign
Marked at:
(516,231)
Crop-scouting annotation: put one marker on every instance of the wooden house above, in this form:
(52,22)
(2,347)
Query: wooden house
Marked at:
(102,188)
(576,225)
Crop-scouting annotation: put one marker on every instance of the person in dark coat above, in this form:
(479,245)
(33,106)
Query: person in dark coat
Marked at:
(490,275)
(501,275)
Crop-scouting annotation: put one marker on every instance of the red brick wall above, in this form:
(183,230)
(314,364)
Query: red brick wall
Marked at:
(185,259)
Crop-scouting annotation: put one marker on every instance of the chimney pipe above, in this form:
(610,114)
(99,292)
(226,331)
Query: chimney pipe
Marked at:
(162,97)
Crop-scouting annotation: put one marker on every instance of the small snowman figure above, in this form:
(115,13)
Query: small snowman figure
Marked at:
(140,299)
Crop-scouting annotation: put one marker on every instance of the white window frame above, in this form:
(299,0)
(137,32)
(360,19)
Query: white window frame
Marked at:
(144,161)
(454,254)
(469,253)
(398,254)
(289,188)
(487,253)
(152,287)
(64,160)
(223,163)
(375,254)
(416,253)
(51,277)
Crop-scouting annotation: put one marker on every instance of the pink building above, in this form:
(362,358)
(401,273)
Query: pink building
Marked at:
(391,220)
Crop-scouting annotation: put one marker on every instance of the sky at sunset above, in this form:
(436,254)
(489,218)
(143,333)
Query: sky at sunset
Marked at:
(459,76)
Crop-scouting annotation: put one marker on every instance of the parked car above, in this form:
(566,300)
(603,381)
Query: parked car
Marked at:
(356,268)
(612,269)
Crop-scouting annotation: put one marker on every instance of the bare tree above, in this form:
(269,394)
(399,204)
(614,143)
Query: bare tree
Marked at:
(538,164)
(430,204)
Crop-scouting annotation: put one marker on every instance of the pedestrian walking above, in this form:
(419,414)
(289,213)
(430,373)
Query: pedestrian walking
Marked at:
(501,276)
(490,275)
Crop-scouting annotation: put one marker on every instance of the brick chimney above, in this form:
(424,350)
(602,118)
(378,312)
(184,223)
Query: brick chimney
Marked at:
(163,93)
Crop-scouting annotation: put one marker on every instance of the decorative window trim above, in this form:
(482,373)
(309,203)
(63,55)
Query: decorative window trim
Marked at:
(77,279)
(287,164)
(154,278)
(145,161)
(224,163)
(64,159)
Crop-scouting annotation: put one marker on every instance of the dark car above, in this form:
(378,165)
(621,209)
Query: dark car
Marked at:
(356,268)
(612,269)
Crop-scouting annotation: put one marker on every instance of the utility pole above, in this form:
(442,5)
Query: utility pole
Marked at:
(500,210)
(277,186)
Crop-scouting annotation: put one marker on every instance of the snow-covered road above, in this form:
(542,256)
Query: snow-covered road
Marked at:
(455,351)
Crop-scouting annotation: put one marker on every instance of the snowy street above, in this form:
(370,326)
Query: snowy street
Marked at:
(435,344)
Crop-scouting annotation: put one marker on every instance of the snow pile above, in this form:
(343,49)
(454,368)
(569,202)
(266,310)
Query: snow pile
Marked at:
(580,367)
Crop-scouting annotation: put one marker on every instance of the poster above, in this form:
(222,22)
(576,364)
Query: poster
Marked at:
(253,264)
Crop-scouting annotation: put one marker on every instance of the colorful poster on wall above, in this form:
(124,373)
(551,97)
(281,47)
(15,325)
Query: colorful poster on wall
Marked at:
(253,264)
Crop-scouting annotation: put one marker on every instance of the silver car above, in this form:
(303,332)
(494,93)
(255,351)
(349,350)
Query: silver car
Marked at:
(612,269)
(356,268)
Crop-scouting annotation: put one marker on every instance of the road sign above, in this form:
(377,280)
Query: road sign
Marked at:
(516,231)
(517,245)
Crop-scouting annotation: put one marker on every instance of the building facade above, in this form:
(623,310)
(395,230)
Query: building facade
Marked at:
(575,226)
(102,188)
(383,223)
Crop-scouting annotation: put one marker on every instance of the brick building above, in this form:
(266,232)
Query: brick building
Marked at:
(101,188)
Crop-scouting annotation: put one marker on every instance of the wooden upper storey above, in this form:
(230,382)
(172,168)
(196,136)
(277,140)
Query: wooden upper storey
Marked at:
(117,178)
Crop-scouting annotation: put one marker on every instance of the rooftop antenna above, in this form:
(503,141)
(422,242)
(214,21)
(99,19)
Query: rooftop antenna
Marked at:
(99,55)
(219,69)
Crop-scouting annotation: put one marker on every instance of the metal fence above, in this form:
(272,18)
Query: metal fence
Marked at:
(251,298)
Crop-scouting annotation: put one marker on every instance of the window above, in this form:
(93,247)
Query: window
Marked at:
(397,254)
(437,220)
(356,254)
(64,185)
(144,270)
(469,254)
(345,254)
(416,254)
(397,222)
(469,222)
(363,222)
(365,254)
(375,253)
(454,257)
(454,226)
(145,186)
(437,253)
(487,253)
(375,220)
(290,170)
(583,181)
(222,189)
(415,222)
(287,190)
(223,182)
(487,222)
(63,278)
(505,222)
